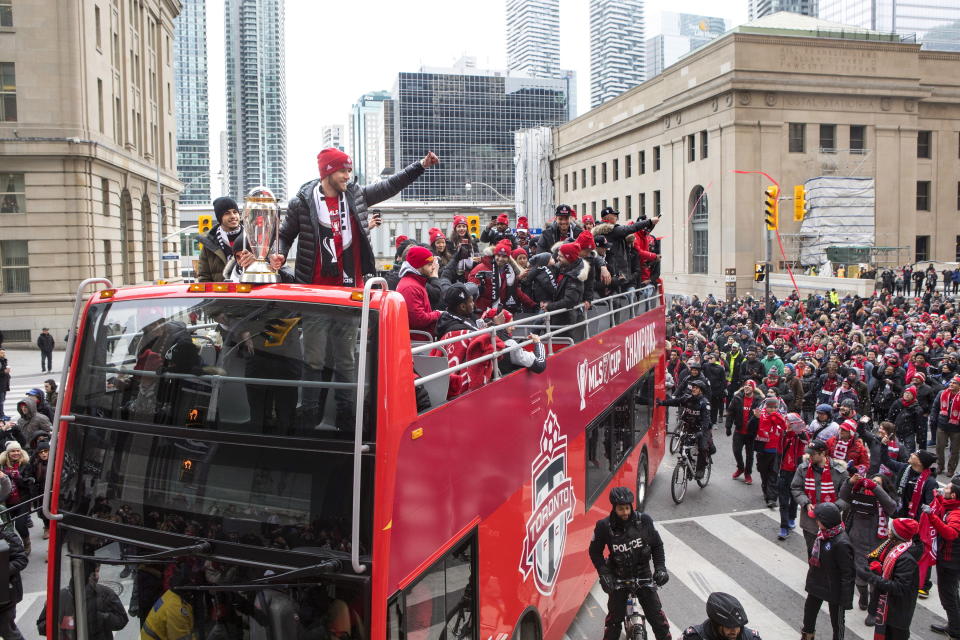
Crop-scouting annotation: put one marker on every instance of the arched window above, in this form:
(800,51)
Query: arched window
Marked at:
(699,234)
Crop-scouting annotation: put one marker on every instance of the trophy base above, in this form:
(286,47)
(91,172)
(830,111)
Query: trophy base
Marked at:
(259,273)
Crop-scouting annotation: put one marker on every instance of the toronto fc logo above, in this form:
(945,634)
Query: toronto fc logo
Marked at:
(553,503)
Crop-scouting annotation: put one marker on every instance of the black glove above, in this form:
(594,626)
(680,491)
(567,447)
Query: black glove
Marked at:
(660,576)
(607,583)
(729,431)
(659,402)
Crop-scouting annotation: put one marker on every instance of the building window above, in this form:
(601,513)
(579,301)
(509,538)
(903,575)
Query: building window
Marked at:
(105,195)
(828,138)
(603,173)
(643,205)
(798,133)
(100,102)
(583,178)
(958,196)
(8,92)
(6,13)
(566,182)
(108,260)
(643,162)
(923,249)
(12,195)
(96,25)
(629,203)
(627,165)
(14,266)
(616,169)
(583,208)
(957,254)
(656,202)
(574,180)
(691,148)
(924,144)
(923,195)
(616,204)
(603,205)
(704,144)
(593,176)
(699,247)
(656,158)
(593,208)
(858,138)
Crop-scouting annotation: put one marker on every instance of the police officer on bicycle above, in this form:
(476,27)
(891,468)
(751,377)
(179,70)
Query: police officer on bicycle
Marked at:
(695,418)
(632,542)
(725,621)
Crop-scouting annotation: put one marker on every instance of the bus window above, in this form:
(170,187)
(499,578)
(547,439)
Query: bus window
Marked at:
(262,367)
(644,401)
(599,441)
(442,603)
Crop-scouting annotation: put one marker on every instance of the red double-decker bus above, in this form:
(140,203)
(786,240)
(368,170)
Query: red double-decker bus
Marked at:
(236,461)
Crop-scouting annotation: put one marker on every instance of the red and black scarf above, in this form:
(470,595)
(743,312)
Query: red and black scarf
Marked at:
(883,604)
(823,534)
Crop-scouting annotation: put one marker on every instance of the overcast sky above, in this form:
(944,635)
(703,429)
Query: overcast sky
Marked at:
(337,51)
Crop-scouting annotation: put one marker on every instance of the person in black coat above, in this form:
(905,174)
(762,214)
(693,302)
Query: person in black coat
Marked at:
(17,562)
(563,230)
(907,416)
(572,274)
(717,377)
(105,612)
(830,577)
(895,574)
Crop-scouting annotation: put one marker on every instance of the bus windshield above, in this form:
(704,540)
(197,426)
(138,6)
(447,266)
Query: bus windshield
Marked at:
(228,364)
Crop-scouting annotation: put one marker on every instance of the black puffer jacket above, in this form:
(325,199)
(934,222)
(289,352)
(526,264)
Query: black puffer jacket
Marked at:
(301,220)
(570,283)
(632,544)
(18,562)
(551,236)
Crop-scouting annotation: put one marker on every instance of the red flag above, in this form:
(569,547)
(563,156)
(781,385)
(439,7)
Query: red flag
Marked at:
(928,535)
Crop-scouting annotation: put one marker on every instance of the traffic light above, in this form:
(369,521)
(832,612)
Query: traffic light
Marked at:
(771,206)
(759,272)
(799,202)
(204,223)
(473,224)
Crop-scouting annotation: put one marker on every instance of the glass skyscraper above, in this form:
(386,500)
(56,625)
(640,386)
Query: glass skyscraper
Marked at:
(533,38)
(365,136)
(934,23)
(468,118)
(759,8)
(617,48)
(681,34)
(256,96)
(193,120)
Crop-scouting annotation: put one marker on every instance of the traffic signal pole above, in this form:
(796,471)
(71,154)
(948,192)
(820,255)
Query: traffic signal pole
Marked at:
(766,281)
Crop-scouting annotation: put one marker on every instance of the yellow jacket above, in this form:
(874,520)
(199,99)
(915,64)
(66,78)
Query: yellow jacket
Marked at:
(170,618)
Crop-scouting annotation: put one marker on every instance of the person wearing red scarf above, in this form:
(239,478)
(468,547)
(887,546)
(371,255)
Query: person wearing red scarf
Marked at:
(944,516)
(766,446)
(847,447)
(945,422)
(830,576)
(739,424)
(792,445)
(818,479)
(894,575)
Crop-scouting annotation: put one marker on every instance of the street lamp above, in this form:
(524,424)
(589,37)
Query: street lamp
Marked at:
(468,186)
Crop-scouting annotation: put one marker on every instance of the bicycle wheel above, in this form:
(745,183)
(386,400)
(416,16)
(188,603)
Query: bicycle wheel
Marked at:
(678,486)
(705,480)
(674,442)
(639,631)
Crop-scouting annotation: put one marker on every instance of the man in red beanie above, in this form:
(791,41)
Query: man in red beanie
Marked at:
(894,574)
(330,217)
(416,269)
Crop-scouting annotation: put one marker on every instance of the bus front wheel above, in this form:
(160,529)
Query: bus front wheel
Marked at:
(528,629)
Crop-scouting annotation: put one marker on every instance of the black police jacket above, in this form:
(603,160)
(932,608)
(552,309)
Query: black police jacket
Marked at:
(631,544)
(705,631)
(696,414)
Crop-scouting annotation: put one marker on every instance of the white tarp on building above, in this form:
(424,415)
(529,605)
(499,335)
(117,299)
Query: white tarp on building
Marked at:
(840,213)
(533,186)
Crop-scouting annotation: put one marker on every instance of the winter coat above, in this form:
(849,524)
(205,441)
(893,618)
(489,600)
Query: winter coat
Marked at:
(213,259)
(683,385)
(833,580)
(795,389)
(941,422)
(838,474)
(907,418)
(906,479)
(901,589)
(32,423)
(570,282)
(753,369)
(618,256)
(716,377)
(105,612)
(735,420)
(862,520)
(856,451)
(45,342)
(551,236)
(632,545)
(412,287)
(948,535)
(302,221)
(492,235)
(539,283)
(17,562)
(733,367)
(509,296)
(772,363)
(4,376)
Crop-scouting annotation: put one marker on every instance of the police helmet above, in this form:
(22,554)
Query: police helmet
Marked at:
(621,495)
(725,610)
(701,384)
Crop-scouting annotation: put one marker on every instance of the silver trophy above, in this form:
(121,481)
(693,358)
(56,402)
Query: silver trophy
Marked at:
(261,230)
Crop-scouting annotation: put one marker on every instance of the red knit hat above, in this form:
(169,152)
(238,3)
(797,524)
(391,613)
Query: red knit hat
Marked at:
(522,224)
(503,219)
(570,251)
(919,374)
(849,425)
(519,251)
(492,313)
(400,240)
(459,220)
(331,160)
(586,241)
(503,248)
(418,256)
(905,528)
(435,234)
(587,219)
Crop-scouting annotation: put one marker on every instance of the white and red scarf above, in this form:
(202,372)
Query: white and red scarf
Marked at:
(883,604)
(828,492)
(950,406)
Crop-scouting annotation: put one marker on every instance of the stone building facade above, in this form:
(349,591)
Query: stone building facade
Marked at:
(788,97)
(87,131)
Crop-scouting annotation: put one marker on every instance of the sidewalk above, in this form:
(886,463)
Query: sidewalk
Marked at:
(25,363)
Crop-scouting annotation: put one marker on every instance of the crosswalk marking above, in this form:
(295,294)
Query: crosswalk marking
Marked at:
(702,577)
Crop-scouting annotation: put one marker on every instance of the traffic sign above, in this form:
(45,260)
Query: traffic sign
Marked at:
(172,257)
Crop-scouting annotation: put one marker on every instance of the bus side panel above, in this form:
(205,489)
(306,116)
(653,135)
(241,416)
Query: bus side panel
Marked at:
(512,453)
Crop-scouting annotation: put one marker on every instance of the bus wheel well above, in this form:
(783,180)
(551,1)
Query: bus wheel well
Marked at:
(529,626)
(643,479)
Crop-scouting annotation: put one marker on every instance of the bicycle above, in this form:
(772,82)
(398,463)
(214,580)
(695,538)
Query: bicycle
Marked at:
(675,435)
(686,467)
(634,622)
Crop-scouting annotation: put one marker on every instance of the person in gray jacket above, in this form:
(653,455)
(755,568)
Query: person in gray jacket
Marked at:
(818,480)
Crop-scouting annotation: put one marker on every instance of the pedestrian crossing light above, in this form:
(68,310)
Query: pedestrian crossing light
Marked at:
(771,206)
(473,224)
(759,272)
(204,223)
(799,203)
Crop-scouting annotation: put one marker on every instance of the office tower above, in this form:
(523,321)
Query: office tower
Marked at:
(193,120)
(468,117)
(332,135)
(616,48)
(365,136)
(533,38)
(934,23)
(759,8)
(256,96)
(680,34)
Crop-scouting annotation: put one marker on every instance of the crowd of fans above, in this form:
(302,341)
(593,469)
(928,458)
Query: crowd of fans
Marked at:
(850,408)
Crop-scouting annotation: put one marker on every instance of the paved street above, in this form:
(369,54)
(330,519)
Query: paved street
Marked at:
(25,374)
(723,538)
